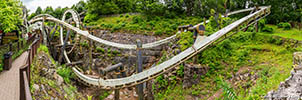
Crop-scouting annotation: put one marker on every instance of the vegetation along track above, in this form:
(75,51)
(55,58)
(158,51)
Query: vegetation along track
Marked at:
(169,64)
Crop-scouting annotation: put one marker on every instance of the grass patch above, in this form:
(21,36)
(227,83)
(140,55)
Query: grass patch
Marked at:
(292,33)
(43,48)
(66,73)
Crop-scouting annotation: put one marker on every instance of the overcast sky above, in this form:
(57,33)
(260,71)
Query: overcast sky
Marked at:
(32,5)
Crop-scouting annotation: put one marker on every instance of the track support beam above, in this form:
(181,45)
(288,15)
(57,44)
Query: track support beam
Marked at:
(140,89)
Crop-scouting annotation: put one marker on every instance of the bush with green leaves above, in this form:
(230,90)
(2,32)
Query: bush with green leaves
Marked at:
(99,49)
(228,91)
(286,25)
(261,23)
(66,73)
(43,48)
(185,40)
(116,27)
(90,18)
(84,44)
(10,15)
(267,29)
(280,25)
(137,19)
(1,67)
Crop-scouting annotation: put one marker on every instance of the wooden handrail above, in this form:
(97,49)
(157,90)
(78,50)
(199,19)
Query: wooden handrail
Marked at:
(25,93)
(26,87)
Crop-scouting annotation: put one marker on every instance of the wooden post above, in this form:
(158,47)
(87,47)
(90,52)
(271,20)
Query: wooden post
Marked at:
(22,87)
(29,58)
(22,44)
(139,65)
(10,47)
(18,45)
(256,26)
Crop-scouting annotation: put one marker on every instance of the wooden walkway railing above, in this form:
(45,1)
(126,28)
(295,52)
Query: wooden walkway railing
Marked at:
(25,70)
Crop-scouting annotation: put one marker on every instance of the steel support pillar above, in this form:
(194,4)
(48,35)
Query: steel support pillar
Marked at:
(139,69)
(63,47)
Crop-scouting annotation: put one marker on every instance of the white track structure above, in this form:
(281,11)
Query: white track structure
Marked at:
(167,65)
(75,17)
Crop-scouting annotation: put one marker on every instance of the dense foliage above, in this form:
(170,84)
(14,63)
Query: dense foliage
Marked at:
(10,15)
(142,24)
(282,10)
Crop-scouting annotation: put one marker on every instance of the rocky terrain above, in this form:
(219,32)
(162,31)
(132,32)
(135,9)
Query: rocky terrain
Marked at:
(291,88)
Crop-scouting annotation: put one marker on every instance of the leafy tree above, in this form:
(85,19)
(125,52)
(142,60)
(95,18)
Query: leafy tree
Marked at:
(48,10)
(39,10)
(10,15)
(80,6)
(58,12)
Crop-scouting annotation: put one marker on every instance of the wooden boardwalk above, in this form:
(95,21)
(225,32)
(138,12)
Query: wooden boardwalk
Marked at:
(9,80)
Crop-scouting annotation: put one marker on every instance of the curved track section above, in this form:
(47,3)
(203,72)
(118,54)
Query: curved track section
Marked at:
(163,67)
(118,45)
(75,17)
(176,60)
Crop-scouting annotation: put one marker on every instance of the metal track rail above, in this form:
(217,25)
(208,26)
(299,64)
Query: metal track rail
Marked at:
(153,72)
(118,45)
(176,60)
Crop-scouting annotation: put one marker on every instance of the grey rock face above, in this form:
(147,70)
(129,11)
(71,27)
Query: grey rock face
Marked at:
(192,74)
(291,88)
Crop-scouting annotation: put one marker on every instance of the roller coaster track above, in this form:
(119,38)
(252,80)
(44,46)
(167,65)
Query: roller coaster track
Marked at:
(153,72)
(75,17)
(113,44)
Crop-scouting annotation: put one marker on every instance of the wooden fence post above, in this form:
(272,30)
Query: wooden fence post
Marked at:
(10,47)
(22,87)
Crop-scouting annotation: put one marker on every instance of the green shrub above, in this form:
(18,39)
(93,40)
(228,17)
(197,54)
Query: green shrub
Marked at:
(137,19)
(115,52)
(162,82)
(287,26)
(118,21)
(151,23)
(43,48)
(108,25)
(127,15)
(261,23)
(228,91)
(158,32)
(90,18)
(84,44)
(116,27)
(280,25)
(273,40)
(66,73)
(267,29)
(98,49)
(1,67)
(104,95)
(180,71)
(121,15)
(186,40)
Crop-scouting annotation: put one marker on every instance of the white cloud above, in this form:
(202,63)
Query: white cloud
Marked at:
(34,4)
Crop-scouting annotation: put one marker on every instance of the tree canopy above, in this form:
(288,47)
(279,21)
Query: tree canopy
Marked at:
(10,15)
(282,10)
